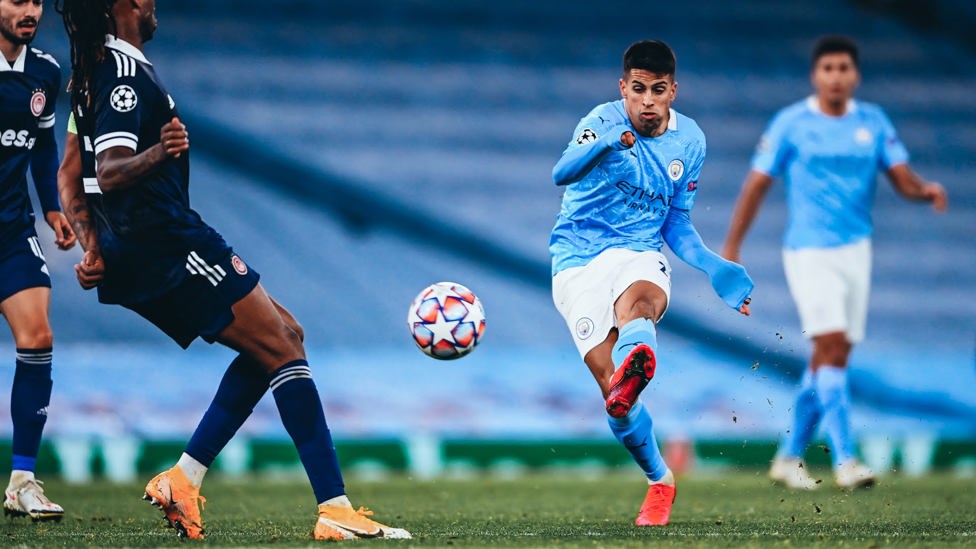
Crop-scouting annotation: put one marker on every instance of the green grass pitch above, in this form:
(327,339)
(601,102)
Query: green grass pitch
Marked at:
(735,510)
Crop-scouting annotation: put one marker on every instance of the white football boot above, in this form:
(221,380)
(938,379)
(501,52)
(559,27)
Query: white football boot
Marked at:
(28,500)
(792,473)
(852,474)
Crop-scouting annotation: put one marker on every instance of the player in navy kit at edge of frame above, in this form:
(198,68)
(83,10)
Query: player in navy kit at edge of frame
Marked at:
(30,81)
(631,175)
(124,180)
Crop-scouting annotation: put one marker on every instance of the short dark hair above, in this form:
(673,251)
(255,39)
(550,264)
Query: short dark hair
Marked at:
(834,43)
(650,55)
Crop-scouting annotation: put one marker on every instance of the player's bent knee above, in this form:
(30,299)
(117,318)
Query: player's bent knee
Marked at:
(38,339)
(297,328)
(285,347)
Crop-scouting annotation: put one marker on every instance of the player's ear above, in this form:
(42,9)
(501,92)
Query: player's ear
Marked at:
(623,88)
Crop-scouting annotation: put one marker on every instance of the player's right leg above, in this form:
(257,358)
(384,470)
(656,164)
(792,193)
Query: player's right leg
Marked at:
(635,431)
(788,467)
(260,333)
(579,296)
(25,297)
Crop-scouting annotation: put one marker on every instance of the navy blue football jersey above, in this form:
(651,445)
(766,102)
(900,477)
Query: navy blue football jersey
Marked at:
(147,231)
(28,92)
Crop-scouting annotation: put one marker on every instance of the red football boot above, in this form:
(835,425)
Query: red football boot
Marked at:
(630,379)
(656,510)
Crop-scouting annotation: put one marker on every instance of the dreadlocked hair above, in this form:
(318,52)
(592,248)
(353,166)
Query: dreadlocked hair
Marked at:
(86,22)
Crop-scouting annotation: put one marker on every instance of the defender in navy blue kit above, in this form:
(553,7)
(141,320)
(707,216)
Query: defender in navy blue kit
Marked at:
(148,251)
(29,83)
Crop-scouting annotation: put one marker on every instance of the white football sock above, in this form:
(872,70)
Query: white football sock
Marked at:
(667,479)
(338,501)
(193,469)
(18,477)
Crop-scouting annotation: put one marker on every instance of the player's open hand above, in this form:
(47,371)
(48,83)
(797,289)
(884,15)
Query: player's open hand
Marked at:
(64,237)
(936,194)
(91,270)
(174,138)
(744,308)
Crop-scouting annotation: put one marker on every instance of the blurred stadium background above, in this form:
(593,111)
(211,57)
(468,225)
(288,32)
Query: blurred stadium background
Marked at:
(355,152)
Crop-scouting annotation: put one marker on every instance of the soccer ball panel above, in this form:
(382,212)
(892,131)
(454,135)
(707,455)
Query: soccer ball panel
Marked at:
(446,320)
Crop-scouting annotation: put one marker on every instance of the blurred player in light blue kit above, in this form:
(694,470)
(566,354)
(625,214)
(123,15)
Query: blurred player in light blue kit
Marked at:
(631,174)
(828,148)
(30,81)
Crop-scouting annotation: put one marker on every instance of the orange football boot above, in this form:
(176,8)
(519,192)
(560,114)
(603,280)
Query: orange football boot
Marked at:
(179,500)
(341,522)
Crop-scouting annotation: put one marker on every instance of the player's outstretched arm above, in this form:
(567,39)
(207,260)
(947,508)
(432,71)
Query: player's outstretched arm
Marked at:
(729,280)
(751,196)
(121,167)
(576,162)
(910,185)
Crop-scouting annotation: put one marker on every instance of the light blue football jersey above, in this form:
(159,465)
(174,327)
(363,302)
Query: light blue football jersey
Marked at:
(623,201)
(830,165)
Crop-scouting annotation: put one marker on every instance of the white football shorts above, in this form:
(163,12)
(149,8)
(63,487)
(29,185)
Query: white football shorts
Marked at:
(585,295)
(830,287)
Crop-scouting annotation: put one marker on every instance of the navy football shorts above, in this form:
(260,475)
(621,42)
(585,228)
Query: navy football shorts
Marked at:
(22,265)
(200,306)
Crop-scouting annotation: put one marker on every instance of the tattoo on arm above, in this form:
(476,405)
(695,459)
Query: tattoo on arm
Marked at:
(119,169)
(76,210)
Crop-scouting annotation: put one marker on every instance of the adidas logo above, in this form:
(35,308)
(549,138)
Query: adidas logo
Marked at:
(42,411)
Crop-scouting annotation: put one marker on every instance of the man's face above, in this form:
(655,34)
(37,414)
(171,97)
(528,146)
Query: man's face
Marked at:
(835,77)
(19,19)
(147,19)
(647,99)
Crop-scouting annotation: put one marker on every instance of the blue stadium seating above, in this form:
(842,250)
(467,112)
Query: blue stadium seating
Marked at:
(442,120)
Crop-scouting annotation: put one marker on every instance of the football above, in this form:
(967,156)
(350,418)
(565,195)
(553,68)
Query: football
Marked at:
(446,320)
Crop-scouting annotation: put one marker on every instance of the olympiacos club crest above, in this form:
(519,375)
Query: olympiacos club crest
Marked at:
(238,264)
(37,102)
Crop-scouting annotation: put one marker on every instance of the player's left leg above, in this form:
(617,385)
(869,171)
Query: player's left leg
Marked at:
(631,357)
(259,332)
(830,356)
(27,314)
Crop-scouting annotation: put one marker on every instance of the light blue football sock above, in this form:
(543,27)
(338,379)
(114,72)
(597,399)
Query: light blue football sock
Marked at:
(636,432)
(806,416)
(635,332)
(835,402)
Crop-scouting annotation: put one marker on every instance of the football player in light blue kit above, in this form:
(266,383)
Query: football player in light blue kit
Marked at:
(631,175)
(828,148)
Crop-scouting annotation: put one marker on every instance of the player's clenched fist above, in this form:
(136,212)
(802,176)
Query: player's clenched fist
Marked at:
(174,138)
(628,139)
